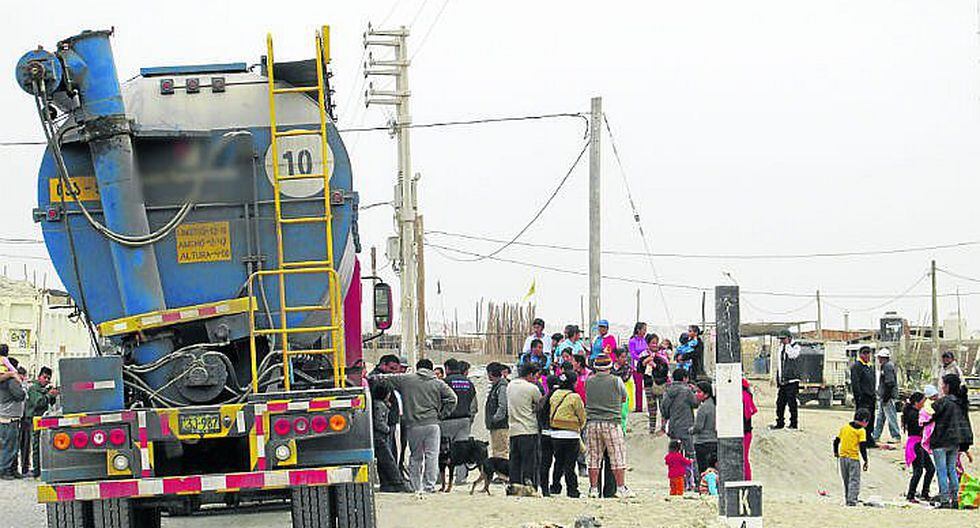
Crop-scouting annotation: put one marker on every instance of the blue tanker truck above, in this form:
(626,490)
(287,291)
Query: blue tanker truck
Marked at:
(203,219)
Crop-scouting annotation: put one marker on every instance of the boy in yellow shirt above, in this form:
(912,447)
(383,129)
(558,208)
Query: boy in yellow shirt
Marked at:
(851,440)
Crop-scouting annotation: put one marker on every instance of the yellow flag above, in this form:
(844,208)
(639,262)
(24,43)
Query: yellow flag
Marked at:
(530,291)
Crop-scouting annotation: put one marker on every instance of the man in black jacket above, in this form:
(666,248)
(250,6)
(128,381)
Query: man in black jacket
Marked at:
(495,412)
(863,389)
(459,424)
(788,381)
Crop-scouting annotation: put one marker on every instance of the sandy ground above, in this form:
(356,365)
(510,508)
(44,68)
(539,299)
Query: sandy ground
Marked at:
(794,467)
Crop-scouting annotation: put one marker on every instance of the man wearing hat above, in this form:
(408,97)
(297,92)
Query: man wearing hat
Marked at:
(788,381)
(604,343)
(604,398)
(864,389)
(887,396)
(948,366)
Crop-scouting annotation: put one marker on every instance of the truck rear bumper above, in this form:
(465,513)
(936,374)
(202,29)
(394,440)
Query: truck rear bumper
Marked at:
(141,488)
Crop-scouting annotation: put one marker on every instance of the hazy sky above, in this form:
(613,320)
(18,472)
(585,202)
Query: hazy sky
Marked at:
(753,127)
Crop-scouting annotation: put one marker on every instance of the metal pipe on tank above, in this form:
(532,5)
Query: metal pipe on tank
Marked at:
(92,70)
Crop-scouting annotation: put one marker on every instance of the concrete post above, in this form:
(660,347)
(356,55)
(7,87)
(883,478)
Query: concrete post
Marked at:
(740,502)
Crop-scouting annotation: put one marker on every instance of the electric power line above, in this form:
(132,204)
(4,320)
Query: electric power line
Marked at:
(957,275)
(717,256)
(636,219)
(541,210)
(429,31)
(435,124)
(890,297)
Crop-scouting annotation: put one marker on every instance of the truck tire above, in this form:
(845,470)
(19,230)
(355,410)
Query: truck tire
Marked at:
(311,507)
(354,504)
(122,513)
(72,514)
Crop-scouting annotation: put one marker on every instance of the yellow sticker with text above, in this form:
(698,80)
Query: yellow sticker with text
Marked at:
(203,242)
(83,187)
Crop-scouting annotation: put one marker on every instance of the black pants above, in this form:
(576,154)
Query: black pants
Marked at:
(607,479)
(524,459)
(24,441)
(868,404)
(549,478)
(566,455)
(705,453)
(389,475)
(787,396)
(922,464)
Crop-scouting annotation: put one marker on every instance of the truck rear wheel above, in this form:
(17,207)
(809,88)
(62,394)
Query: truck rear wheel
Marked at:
(311,507)
(70,515)
(122,513)
(355,505)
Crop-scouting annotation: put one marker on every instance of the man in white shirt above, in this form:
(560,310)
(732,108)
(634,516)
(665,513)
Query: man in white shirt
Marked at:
(537,332)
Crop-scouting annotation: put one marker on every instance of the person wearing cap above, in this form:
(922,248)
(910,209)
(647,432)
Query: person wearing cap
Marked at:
(864,389)
(537,332)
(604,343)
(788,381)
(605,395)
(948,366)
(524,397)
(887,396)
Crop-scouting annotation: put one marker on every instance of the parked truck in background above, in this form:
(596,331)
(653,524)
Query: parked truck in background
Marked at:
(204,220)
(824,371)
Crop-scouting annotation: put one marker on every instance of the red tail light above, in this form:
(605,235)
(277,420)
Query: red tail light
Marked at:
(79,440)
(301,425)
(318,424)
(117,437)
(99,438)
(282,426)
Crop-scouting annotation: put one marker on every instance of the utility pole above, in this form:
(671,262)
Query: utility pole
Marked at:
(420,284)
(595,202)
(819,317)
(935,324)
(405,197)
(959,322)
(637,305)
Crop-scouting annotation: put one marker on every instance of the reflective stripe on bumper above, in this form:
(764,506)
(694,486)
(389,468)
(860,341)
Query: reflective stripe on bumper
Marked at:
(192,485)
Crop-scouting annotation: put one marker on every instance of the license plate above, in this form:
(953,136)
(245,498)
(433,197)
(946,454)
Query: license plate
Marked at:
(199,423)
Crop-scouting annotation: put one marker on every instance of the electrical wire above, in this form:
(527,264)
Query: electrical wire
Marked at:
(429,31)
(477,121)
(752,305)
(957,275)
(541,210)
(441,250)
(717,256)
(636,219)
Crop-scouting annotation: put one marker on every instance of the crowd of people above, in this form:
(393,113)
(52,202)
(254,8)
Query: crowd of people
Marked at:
(936,421)
(561,413)
(21,399)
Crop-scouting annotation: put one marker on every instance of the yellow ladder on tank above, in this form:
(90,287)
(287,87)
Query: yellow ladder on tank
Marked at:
(335,328)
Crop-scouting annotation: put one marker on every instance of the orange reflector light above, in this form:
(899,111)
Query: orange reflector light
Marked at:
(338,422)
(61,441)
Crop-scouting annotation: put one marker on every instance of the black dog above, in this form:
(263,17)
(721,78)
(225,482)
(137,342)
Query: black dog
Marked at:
(491,467)
(471,453)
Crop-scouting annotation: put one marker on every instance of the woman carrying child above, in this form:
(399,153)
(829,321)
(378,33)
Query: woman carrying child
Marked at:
(916,456)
